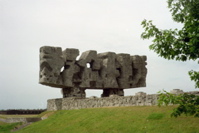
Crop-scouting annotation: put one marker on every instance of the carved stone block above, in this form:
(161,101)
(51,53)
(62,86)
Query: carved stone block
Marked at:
(108,71)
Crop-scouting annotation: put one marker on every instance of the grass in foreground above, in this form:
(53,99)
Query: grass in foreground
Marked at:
(6,127)
(115,120)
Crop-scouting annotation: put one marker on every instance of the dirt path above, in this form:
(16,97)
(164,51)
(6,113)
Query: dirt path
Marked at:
(20,127)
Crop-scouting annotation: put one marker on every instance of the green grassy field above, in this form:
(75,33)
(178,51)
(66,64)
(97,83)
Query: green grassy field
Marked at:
(5,127)
(142,119)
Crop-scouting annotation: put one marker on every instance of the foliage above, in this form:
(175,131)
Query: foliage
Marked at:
(177,44)
(188,104)
(195,77)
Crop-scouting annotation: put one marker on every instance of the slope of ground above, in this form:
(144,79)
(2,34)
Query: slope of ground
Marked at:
(7,127)
(115,120)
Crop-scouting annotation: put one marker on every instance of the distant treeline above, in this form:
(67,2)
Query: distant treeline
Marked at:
(22,111)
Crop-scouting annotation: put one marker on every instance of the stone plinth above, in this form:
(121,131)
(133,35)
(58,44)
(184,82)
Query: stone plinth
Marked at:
(112,101)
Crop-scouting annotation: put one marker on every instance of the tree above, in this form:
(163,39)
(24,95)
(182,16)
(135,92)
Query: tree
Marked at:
(177,44)
(188,103)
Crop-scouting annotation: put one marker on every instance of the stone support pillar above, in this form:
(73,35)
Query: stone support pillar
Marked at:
(73,92)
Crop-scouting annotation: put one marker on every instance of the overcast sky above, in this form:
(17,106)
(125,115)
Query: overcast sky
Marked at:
(102,25)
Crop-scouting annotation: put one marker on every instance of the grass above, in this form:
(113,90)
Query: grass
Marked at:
(46,114)
(115,120)
(17,116)
(155,116)
(6,127)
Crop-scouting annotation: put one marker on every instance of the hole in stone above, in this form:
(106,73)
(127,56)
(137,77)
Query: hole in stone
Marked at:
(67,66)
(62,69)
(77,58)
(88,65)
(69,61)
(131,85)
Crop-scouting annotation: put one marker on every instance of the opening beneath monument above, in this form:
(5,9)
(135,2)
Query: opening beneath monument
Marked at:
(88,65)
(93,92)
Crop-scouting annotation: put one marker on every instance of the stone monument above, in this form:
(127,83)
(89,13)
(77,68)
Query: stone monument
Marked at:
(108,71)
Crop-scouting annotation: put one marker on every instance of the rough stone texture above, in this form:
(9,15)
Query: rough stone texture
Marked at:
(176,91)
(24,120)
(93,102)
(73,92)
(140,99)
(108,71)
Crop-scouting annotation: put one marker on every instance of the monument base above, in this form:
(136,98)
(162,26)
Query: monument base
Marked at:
(140,99)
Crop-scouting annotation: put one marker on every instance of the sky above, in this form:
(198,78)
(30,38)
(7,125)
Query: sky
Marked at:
(101,25)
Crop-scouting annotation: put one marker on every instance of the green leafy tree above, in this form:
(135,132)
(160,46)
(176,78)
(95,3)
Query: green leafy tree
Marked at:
(177,44)
(188,103)
(181,45)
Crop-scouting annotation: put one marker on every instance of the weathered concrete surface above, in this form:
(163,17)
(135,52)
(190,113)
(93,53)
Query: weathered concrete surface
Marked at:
(108,71)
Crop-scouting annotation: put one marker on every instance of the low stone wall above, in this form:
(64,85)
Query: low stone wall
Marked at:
(140,99)
(24,120)
(3,120)
(14,120)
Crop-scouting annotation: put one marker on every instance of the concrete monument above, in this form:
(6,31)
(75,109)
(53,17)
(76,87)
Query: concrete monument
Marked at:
(108,71)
